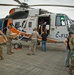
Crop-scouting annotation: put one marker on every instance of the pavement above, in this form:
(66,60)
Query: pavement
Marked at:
(50,62)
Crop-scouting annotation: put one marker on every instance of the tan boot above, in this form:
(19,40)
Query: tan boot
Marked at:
(12,52)
(9,53)
(28,53)
(1,58)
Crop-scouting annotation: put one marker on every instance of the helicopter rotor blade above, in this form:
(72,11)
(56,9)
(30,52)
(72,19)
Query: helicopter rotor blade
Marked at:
(18,1)
(69,6)
(8,5)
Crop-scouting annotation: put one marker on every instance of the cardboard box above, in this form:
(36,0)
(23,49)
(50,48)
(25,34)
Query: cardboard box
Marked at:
(13,35)
(2,40)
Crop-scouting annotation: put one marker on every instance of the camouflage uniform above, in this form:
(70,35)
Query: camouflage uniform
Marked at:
(33,43)
(9,42)
(1,52)
(9,45)
(32,46)
(71,43)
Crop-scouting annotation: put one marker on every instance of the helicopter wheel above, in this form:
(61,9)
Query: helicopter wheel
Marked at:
(17,45)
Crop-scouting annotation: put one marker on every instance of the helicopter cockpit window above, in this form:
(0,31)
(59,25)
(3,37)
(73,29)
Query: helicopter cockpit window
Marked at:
(17,25)
(24,24)
(30,24)
(60,20)
(68,21)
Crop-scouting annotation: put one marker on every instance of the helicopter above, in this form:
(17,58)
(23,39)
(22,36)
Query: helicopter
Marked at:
(29,18)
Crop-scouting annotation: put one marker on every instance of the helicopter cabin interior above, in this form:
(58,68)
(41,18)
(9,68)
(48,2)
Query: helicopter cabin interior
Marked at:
(41,20)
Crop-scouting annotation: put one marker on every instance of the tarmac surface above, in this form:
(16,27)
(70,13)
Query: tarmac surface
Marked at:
(50,62)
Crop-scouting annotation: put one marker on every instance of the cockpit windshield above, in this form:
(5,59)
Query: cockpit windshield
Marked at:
(62,20)
(19,15)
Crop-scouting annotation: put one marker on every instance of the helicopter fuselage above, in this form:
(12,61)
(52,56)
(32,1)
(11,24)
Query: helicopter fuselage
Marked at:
(27,19)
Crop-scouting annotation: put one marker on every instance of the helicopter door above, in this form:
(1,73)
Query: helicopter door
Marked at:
(60,31)
(29,24)
(41,21)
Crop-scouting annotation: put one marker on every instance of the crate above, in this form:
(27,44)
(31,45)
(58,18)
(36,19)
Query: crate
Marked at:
(13,35)
(2,40)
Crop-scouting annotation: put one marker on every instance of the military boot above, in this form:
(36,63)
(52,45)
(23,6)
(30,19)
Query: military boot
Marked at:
(1,58)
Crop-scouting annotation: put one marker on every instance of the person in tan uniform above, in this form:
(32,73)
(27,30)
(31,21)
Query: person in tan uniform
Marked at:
(71,43)
(9,42)
(33,43)
(1,52)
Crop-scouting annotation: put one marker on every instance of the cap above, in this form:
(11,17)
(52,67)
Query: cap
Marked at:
(34,29)
(71,33)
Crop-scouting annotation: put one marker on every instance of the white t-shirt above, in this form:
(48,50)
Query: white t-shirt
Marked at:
(47,27)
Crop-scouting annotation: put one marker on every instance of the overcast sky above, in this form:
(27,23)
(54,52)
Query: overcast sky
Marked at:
(4,10)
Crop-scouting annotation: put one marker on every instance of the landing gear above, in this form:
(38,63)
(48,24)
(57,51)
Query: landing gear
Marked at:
(17,45)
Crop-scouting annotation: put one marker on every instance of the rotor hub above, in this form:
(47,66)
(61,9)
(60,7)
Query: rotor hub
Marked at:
(24,5)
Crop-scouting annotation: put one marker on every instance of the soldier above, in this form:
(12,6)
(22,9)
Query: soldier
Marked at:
(71,43)
(9,42)
(1,52)
(33,43)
